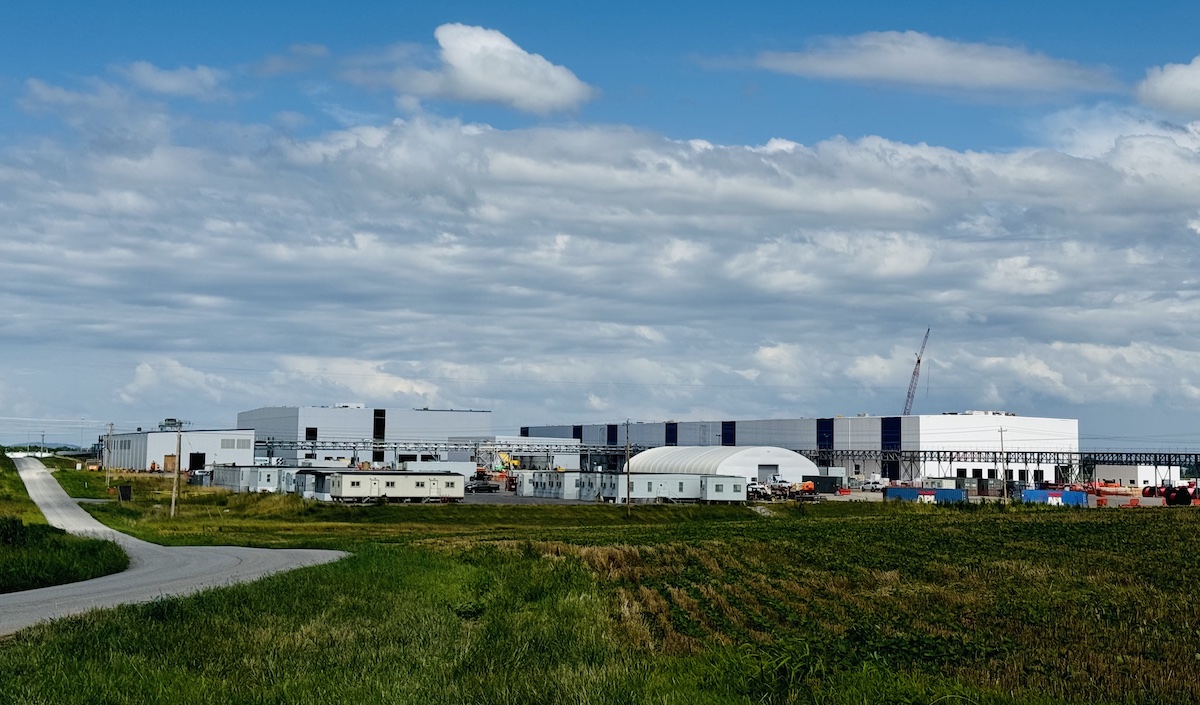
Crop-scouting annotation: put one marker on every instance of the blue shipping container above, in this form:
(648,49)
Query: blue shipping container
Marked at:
(918,494)
(1065,498)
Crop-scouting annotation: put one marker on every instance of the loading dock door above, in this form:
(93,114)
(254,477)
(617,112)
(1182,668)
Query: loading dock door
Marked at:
(766,472)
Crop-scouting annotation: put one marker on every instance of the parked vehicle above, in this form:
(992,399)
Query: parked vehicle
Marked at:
(481,486)
(873,486)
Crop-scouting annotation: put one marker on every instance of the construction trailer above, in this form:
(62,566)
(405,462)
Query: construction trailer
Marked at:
(645,488)
(362,486)
(241,478)
(313,484)
(557,485)
(523,483)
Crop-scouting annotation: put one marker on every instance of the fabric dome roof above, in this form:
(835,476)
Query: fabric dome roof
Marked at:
(751,462)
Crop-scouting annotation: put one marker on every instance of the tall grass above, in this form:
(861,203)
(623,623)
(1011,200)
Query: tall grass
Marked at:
(871,603)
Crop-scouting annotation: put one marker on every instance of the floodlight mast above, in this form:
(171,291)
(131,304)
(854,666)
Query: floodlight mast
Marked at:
(912,385)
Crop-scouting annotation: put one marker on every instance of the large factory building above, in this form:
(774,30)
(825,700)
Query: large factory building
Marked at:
(894,447)
(326,426)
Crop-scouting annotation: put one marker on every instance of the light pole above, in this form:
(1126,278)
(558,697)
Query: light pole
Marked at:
(1003,465)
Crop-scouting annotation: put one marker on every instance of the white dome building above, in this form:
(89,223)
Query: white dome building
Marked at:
(759,463)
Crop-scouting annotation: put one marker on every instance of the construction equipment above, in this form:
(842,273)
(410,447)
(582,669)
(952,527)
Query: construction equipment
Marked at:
(912,385)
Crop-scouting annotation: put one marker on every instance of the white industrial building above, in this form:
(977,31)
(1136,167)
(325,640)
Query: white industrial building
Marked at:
(929,445)
(149,451)
(355,424)
(1139,475)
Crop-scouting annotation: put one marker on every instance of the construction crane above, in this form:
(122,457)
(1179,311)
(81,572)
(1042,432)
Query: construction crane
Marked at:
(912,385)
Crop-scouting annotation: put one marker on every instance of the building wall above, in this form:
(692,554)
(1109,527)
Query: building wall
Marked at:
(968,431)
(137,451)
(357,424)
(1138,475)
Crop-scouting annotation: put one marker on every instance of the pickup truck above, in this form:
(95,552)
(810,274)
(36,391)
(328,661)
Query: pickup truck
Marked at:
(873,486)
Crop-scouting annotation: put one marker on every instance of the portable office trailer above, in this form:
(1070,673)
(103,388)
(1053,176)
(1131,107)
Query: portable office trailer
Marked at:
(313,484)
(249,479)
(396,486)
(669,487)
(722,488)
(524,480)
(557,485)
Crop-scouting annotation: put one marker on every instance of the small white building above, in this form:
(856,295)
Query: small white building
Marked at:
(667,488)
(241,478)
(1139,475)
(313,484)
(557,485)
(524,483)
(395,485)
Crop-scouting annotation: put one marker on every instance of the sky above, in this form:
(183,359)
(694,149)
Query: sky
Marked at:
(618,211)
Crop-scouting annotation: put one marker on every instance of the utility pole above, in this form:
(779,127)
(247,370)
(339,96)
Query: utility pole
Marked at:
(1003,464)
(107,456)
(43,444)
(178,450)
(628,476)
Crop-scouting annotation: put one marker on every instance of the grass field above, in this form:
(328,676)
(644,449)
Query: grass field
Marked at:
(837,603)
(34,554)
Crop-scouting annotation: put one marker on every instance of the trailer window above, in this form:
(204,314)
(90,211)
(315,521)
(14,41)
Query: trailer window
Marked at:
(737,488)
(355,483)
(420,484)
(720,488)
(390,483)
(450,484)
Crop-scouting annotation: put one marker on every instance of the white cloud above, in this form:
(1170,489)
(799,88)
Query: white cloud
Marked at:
(1173,87)
(479,65)
(916,59)
(200,82)
(589,271)
(1018,275)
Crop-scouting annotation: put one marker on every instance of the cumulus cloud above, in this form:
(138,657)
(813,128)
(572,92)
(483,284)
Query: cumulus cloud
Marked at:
(479,65)
(200,82)
(584,271)
(921,60)
(1173,87)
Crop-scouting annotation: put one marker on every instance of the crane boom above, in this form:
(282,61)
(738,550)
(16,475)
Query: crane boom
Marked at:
(912,385)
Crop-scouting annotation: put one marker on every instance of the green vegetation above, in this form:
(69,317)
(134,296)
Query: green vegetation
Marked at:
(833,603)
(34,554)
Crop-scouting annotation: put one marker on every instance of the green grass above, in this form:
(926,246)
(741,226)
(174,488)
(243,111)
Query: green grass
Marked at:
(834,603)
(34,554)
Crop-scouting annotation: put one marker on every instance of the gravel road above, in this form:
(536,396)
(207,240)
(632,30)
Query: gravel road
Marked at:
(154,571)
